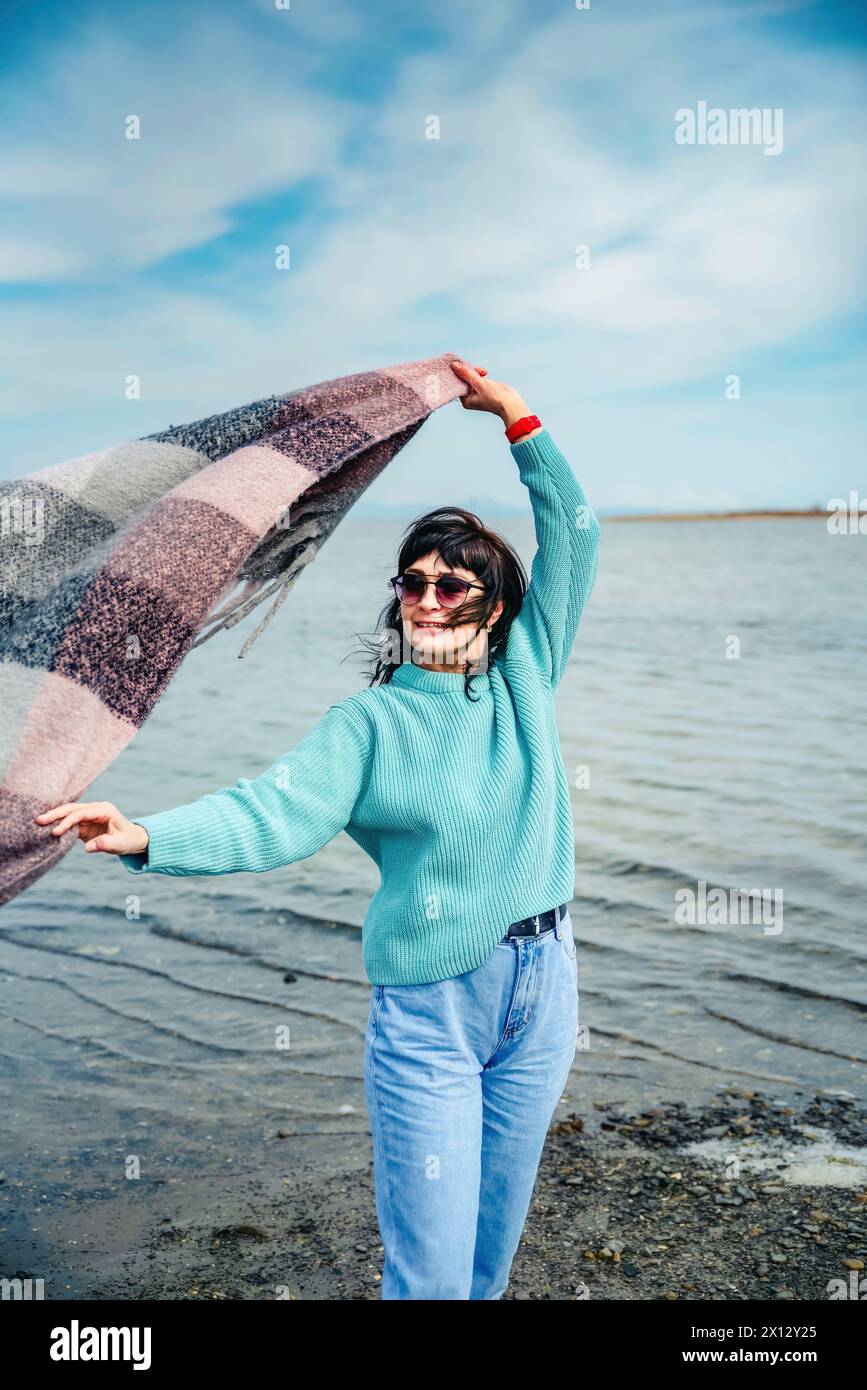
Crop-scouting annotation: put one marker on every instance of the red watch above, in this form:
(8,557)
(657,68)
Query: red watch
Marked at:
(523,426)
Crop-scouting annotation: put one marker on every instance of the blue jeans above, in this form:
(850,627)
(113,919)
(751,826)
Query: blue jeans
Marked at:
(461,1080)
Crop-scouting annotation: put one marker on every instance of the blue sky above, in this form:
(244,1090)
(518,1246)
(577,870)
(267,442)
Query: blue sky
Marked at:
(306,127)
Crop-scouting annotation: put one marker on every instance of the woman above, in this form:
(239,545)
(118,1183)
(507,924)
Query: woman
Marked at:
(447,771)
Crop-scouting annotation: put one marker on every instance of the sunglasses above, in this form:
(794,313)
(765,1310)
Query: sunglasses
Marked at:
(450,589)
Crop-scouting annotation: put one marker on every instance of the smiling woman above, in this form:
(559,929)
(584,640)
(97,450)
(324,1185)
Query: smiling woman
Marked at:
(448,558)
(444,645)
(447,772)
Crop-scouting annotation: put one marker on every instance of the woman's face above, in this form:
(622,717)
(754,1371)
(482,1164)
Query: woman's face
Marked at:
(443,648)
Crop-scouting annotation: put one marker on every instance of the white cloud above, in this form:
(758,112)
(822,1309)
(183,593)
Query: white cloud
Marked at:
(219,126)
(27,261)
(704,261)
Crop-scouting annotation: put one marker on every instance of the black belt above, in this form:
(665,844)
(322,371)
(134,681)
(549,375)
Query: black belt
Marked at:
(539,922)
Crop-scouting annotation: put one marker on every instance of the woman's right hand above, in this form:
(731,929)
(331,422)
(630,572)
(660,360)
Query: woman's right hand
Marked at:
(494,396)
(100,825)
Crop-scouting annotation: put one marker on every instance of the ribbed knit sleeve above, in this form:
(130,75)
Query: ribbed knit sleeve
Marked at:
(287,813)
(564,565)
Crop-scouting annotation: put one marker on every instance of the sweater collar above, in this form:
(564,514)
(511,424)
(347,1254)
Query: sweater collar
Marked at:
(439,682)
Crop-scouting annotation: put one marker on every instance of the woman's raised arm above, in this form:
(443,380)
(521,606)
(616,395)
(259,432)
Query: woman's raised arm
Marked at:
(567,533)
(564,565)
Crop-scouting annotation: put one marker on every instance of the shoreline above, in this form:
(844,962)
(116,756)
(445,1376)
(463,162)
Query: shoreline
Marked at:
(716,516)
(745,1197)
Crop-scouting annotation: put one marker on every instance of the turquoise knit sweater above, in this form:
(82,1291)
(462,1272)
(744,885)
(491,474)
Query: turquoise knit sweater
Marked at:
(463,805)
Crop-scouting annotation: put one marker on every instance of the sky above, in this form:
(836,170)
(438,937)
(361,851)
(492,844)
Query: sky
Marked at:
(706,350)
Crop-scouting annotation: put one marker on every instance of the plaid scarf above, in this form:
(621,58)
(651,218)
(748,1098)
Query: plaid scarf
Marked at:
(113,566)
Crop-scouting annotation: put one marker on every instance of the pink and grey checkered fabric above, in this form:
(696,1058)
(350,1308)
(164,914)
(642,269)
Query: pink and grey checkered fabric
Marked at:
(112,566)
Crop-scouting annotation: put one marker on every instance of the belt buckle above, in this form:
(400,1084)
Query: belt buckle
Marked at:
(535,920)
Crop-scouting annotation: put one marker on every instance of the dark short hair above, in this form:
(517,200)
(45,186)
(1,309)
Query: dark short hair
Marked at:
(460,538)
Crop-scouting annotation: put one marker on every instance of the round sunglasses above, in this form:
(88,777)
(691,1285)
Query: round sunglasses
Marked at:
(451,590)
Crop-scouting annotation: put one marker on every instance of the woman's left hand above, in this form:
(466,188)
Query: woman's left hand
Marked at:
(493,396)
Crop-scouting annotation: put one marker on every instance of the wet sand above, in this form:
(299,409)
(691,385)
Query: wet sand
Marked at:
(743,1198)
